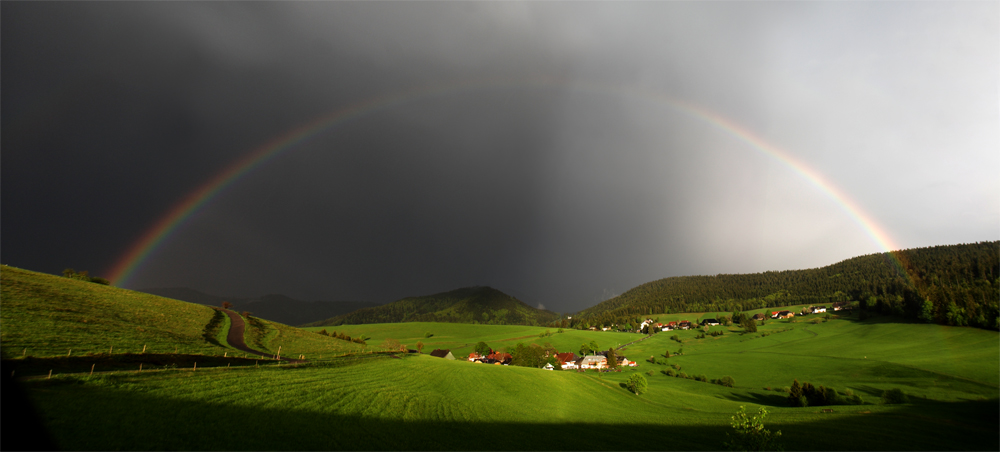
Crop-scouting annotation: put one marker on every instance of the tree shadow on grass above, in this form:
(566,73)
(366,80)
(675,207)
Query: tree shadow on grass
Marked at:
(773,399)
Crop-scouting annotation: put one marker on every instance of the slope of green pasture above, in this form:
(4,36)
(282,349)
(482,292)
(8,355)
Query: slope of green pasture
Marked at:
(270,337)
(423,403)
(934,361)
(49,315)
(461,339)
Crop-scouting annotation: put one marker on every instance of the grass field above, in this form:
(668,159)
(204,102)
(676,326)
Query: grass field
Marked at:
(413,402)
(421,403)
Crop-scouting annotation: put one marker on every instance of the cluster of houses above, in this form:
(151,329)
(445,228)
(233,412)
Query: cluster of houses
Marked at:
(669,326)
(566,361)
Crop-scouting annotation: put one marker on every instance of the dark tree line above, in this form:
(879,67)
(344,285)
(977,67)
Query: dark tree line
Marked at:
(953,284)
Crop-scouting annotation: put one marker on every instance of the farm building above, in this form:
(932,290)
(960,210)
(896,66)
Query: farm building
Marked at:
(710,322)
(592,362)
(759,317)
(446,354)
(817,309)
(786,314)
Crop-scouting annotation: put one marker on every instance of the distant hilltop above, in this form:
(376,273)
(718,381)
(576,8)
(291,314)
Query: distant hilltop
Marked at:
(481,304)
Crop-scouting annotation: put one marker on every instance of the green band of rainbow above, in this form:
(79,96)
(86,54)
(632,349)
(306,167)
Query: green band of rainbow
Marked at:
(155,236)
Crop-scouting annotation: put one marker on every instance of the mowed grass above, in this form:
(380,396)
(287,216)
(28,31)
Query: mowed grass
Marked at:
(461,338)
(272,337)
(424,403)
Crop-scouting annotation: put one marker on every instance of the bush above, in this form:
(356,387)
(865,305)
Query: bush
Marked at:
(726,381)
(676,366)
(701,377)
(682,375)
(428,335)
(637,384)
(893,396)
(661,361)
(650,373)
(749,433)
(668,372)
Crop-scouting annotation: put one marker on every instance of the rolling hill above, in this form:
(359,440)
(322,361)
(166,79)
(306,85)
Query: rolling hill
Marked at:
(467,305)
(48,316)
(275,307)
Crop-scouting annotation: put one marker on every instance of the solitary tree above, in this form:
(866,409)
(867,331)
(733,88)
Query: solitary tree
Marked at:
(636,383)
(420,346)
(482,348)
(749,325)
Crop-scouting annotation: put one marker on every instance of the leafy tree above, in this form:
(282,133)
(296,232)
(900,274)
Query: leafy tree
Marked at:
(637,384)
(726,381)
(420,346)
(749,433)
(666,354)
(749,325)
(594,346)
(482,348)
(584,349)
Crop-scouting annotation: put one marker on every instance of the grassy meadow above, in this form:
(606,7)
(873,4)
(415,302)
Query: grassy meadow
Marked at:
(352,399)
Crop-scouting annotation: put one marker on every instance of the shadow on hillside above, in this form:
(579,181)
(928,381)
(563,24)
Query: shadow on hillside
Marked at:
(88,416)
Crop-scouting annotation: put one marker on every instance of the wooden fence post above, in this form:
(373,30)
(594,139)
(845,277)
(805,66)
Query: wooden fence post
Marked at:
(195,366)
(92,370)
(144,348)
(50,375)
(140,367)
(70,352)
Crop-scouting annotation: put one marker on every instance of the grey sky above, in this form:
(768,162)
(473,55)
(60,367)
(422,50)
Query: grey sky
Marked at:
(561,193)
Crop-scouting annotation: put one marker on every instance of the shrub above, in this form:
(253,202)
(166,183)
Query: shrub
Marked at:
(701,377)
(682,375)
(893,396)
(650,373)
(661,361)
(668,372)
(428,335)
(676,366)
(636,383)
(726,381)
(749,433)
(323,332)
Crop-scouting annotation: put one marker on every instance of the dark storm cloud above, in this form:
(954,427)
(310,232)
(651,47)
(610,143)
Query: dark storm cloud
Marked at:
(558,194)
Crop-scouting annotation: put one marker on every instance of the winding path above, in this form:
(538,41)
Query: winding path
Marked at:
(235,337)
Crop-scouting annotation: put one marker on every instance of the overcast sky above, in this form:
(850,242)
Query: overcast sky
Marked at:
(549,160)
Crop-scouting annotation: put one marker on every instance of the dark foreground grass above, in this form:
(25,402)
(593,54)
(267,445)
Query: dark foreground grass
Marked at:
(422,403)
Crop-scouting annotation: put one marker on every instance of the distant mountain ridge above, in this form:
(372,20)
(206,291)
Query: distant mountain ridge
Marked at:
(479,304)
(274,307)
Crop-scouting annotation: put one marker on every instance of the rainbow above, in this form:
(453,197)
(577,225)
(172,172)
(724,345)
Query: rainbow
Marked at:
(163,229)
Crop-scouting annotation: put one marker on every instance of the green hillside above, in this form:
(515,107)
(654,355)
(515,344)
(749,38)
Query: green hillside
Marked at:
(47,316)
(484,305)
(960,282)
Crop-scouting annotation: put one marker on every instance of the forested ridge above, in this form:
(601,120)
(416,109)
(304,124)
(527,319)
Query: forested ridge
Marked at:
(951,284)
(484,305)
